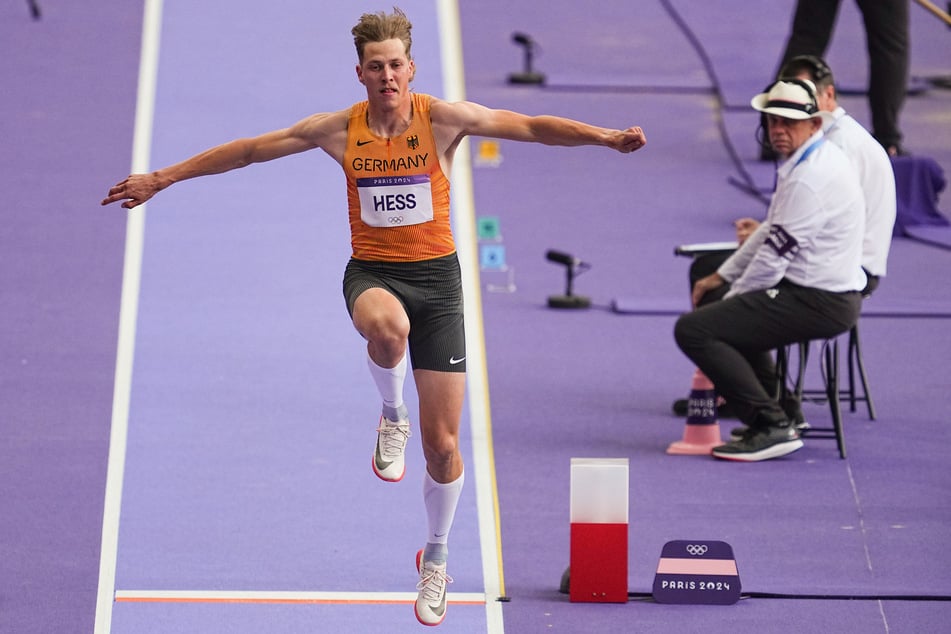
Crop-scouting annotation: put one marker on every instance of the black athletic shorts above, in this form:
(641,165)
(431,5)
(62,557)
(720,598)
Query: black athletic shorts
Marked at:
(431,294)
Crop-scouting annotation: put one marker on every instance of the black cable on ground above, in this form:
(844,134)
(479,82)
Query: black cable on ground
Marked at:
(747,185)
(745,182)
(820,597)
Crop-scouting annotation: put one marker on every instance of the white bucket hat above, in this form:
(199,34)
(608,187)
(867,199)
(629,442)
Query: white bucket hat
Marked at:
(789,99)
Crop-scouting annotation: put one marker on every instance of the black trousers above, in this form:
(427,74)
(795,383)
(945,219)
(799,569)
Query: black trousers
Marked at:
(732,340)
(887,37)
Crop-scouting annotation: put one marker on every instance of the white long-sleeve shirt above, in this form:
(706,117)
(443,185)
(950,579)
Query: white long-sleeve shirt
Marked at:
(814,228)
(877,178)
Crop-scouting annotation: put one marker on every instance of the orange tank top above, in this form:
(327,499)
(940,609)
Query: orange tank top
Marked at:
(397,193)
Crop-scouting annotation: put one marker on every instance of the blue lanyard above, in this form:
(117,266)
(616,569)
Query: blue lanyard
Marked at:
(810,150)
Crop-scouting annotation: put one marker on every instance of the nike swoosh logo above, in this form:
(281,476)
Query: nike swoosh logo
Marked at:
(454,361)
(440,609)
(381,464)
(362,143)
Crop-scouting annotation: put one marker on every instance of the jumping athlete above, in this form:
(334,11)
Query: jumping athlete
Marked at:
(402,284)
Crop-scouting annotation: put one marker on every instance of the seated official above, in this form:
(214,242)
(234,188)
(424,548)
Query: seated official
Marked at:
(876,177)
(868,158)
(797,277)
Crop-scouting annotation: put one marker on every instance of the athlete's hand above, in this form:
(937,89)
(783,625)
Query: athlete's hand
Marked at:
(134,190)
(630,140)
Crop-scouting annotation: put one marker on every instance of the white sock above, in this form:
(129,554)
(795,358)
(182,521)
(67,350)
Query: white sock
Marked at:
(389,381)
(441,500)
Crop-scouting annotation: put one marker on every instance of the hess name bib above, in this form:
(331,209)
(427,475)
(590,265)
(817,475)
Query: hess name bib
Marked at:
(395,201)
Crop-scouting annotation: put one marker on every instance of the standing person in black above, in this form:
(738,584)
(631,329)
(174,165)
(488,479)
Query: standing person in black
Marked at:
(887,41)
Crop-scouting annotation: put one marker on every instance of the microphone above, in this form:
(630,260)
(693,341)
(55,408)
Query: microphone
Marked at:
(564,258)
(521,38)
(573,267)
(528,75)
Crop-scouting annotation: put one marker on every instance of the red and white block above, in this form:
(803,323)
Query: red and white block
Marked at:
(599,530)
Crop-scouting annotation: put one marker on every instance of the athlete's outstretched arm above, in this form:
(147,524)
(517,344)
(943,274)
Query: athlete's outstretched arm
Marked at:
(327,131)
(472,119)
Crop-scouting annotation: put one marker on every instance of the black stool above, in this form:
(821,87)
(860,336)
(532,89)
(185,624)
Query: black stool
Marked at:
(856,364)
(830,375)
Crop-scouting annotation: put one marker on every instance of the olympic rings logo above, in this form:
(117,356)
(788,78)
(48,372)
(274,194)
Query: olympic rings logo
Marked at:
(697,549)
(395,220)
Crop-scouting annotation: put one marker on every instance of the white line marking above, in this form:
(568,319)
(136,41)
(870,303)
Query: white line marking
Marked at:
(128,313)
(450,40)
(861,513)
(267,596)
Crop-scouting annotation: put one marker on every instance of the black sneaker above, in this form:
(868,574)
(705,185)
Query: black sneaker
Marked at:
(802,426)
(760,443)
